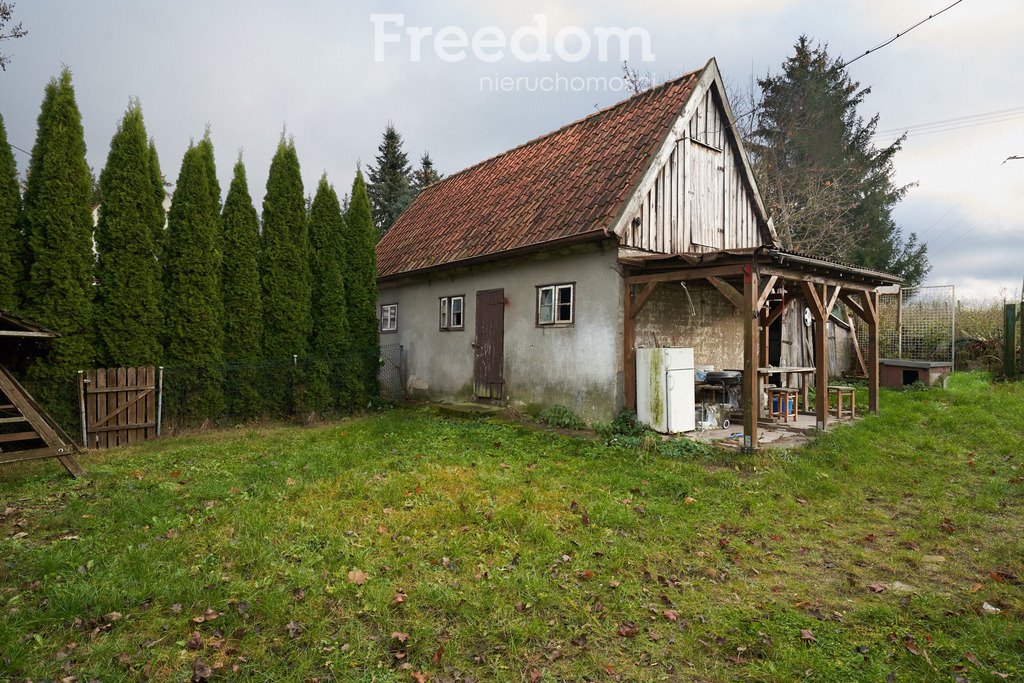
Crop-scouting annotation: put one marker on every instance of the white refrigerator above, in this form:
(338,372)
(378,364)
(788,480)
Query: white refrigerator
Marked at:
(665,398)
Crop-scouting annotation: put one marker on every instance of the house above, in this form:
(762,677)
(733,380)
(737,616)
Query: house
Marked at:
(532,277)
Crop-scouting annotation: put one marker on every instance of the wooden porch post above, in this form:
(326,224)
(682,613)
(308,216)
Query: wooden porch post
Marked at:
(817,305)
(628,352)
(870,300)
(751,399)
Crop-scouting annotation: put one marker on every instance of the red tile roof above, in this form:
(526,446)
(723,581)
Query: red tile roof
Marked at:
(563,186)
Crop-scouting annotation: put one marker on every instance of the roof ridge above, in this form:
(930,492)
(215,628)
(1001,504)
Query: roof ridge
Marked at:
(599,112)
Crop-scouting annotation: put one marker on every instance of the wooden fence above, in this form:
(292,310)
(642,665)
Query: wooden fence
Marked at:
(119,406)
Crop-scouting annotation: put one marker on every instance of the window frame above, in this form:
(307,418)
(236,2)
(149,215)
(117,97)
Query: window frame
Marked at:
(444,308)
(393,319)
(555,322)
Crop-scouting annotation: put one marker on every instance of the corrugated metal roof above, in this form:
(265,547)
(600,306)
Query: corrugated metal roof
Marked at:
(12,320)
(564,185)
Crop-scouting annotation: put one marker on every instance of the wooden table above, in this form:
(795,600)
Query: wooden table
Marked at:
(805,374)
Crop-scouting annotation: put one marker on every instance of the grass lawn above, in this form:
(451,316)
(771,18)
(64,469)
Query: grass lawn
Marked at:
(407,546)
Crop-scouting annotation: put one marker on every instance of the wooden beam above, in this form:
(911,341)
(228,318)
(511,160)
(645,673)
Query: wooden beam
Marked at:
(628,352)
(637,305)
(856,346)
(836,291)
(813,300)
(20,333)
(776,314)
(766,291)
(728,291)
(751,399)
(686,274)
(18,436)
(800,276)
(820,352)
(847,298)
(870,301)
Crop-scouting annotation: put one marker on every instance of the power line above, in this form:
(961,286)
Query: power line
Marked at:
(966,118)
(976,225)
(1005,186)
(902,33)
(19,149)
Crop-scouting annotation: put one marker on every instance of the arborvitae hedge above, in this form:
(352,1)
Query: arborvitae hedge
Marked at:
(128,287)
(58,217)
(243,308)
(11,237)
(159,194)
(361,288)
(284,272)
(193,309)
(330,342)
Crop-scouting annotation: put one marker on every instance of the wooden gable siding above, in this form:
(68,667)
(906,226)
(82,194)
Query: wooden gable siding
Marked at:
(699,200)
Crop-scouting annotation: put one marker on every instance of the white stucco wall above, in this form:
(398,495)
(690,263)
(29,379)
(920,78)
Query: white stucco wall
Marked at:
(579,366)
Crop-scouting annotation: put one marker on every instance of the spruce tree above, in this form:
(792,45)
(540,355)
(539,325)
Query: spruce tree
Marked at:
(128,287)
(159,195)
(194,329)
(426,174)
(284,273)
(361,290)
(243,308)
(59,221)
(330,341)
(830,190)
(11,237)
(391,181)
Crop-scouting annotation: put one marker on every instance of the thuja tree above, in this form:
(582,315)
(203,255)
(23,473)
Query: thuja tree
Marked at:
(361,290)
(58,219)
(330,341)
(243,308)
(11,237)
(194,331)
(159,189)
(128,288)
(284,274)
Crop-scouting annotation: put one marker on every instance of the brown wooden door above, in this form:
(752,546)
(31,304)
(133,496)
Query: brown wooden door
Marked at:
(489,364)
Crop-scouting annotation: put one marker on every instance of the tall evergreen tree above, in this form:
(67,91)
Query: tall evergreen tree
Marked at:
(193,321)
(58,218)
(390,188)
(159,195)
(361,289)
(830,190)
(128,287)
(11,237)
(330,342)
(243,308)
(426,174)
(284,270)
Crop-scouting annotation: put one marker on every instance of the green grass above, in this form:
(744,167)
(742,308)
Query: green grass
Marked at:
(526,553)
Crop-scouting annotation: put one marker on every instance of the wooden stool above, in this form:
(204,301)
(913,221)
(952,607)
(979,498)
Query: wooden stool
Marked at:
(841,392)
(783,395)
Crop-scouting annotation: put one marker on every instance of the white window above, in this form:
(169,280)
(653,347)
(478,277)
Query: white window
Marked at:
(556,304)
(451,314)
(389,318)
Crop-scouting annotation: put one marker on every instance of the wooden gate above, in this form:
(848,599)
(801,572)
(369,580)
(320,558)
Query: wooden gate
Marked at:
(489,364)
(120,406)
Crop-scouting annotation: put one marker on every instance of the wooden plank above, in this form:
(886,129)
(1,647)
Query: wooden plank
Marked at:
(837,290)
(751,399)
(115,390)
(856,346)
(101,406)
(776,313)
(728,291)
(687,274)
(847,298)
(125,428)
(149,414)
(122,400)
(18,436)
(133,400)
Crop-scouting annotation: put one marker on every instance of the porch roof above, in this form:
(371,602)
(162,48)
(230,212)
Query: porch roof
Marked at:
(767,260)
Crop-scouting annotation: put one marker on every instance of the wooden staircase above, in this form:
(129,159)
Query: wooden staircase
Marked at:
(41,436)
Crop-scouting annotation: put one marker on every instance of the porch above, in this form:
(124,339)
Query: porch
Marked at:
(760,284)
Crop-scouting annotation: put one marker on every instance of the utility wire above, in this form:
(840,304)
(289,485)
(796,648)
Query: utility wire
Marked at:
(902,33)
(976,225)
(19,149)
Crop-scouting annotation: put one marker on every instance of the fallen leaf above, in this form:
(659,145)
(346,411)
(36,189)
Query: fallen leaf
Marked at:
(200,671)
(806,635)
(627,630)
(947,525)
(614,584)
(688,501)
(976,587)
(420,677)
(398,599)
(294,629)
(972,658)
(195,642)
(586,575)
(357,576)
(535,676)
(111,617)
(289,482)
(877,587)
(671,615)
(400,636)
(438,654)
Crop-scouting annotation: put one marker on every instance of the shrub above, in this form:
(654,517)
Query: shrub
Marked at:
(562,417)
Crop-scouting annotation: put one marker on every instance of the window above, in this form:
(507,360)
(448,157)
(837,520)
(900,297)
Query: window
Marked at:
(556,304)
(451,314)
(389,318)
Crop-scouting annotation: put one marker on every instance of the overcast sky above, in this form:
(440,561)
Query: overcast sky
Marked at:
(250,69)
